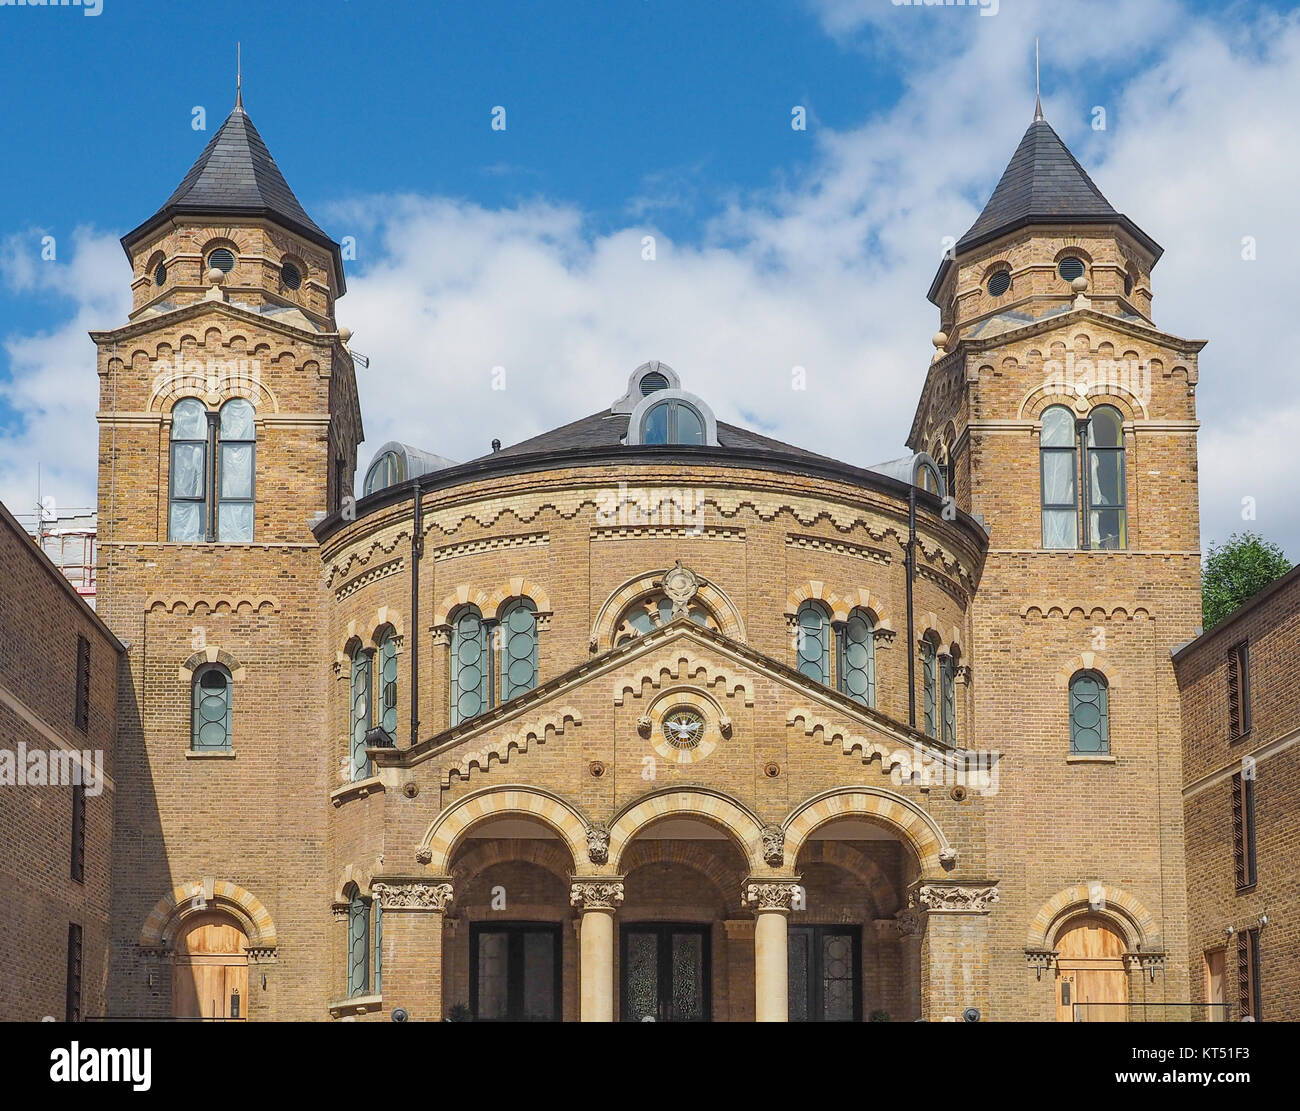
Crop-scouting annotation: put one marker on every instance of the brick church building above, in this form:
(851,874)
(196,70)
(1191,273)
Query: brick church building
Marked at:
(649,717)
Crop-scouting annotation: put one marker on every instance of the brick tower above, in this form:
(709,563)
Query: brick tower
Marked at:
(1067,422)
(228,423)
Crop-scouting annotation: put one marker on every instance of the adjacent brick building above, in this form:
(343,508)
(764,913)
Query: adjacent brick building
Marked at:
(1241,771)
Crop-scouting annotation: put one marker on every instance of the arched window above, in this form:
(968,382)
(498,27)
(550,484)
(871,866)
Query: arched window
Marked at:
(387,470)
(927,477)
(378,909)
(388,683)
(188,518)
(1089,714)
(858,657)
(1107,518)
(672,422)
(1059,484)
(930,676)
(813,641)
(358,943)
(470,662)
(948,698)
(518,648)
(238,436)
(210,719)
(650,611)
(362,719)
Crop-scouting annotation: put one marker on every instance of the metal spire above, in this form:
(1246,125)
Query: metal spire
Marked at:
(1038,93)
(239,76)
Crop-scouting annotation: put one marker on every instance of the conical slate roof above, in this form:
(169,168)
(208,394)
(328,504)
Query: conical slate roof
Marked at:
(236,175)
(1042,184)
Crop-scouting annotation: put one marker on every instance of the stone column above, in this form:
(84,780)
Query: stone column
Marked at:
(413,919)
(597,899)
(771,902)
(955,958)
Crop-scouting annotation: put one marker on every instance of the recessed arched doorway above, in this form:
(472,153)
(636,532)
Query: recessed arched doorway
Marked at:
(210,974)
(1091,977)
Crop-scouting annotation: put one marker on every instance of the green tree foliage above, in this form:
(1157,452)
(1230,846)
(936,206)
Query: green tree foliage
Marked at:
(1236,571)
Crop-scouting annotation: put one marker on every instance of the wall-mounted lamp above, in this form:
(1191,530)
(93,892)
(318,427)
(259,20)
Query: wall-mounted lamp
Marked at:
(1263,920)
(1230,930)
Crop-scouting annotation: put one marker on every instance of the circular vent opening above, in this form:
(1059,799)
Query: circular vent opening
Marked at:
(1070,268)
(160,275)
(999,283)
(290,275)
(653,382)
(221,259)
(1128,285)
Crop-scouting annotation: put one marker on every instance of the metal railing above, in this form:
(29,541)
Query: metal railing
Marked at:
(1152,1012)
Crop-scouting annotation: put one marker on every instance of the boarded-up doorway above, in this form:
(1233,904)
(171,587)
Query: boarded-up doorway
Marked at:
(210,977)
(1091,980)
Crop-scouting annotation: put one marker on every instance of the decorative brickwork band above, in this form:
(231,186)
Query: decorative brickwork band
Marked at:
(770,896)
(414,895)
(596,894)
(956,898)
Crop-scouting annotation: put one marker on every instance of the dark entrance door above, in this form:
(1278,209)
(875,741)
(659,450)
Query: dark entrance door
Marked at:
(665,973)
(514,972)
(824,981)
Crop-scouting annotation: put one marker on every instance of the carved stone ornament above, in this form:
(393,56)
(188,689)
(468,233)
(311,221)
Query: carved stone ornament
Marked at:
(770,896)
(416,895)
(680,584)
(644,725)
(909,922)
(948,857)
(774,845)
(596,894)
(970,900)
(597,844)
(423,856)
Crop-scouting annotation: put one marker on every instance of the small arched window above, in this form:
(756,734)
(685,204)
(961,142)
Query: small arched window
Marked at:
(1107,515)
(188,516)
(362,714)
(238,436)
(813,641)
(1059,485)
(672,422)
(1089,714)
(518,648)
(927,477)
(388,684)
(210,721)
(858,657)
(948,698)
(387,470)
(358,943)
(930,677)
(470,662)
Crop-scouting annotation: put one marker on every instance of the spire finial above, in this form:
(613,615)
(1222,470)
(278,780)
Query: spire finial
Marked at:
(1038,90)
(239,76)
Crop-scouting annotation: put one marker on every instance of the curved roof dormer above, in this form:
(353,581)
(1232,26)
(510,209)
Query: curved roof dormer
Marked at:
(648,378)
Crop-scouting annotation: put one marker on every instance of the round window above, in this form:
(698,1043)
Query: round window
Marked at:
(221,259)
(160,274)
(999,283)
(290,275)
(683,727)
(1070,268)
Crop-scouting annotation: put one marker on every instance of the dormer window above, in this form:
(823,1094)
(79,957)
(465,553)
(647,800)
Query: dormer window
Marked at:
(653,382)
(384,471)
(928,479)
(672,422)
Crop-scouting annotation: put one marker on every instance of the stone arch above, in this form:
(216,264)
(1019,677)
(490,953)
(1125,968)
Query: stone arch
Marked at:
(544,854)
(641,854)
(1046,394)
(860,597)
(1136,923)
(880,889)
(518,587)
(187,900)
(912,824)
(708,594)
(812,591)
(949,643)
(355,874)
(463,595)
(704,803)
(211,654)
(1089,661)
(172,386)
(448,828)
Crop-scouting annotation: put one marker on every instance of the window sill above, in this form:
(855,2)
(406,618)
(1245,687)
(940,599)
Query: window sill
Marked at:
(1248,888)
(213,755)
(360,789)
(357,1005)
(1087,758)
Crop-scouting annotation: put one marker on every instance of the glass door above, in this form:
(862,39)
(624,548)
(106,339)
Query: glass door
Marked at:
(823,970)
(665,973)
(514,972)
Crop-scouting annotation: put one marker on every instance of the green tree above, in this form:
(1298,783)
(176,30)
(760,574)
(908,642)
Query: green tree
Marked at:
(1235,572)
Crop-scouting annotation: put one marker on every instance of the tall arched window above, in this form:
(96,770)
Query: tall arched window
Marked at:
(188,517)
(948,698)
(858,657)
(362,714)
(1106,514)
(1089,714)
(672,422)
(930,676)
(358,943)
(210,719)
(388,683)
(518,648)
(238,437)
(813,641)
(378,909)
(1059,484)
(470,664)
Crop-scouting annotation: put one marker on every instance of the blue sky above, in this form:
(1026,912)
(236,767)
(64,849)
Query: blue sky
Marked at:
(776,248)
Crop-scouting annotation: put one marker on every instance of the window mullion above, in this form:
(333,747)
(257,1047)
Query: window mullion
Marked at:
(210,477)
(1081,463)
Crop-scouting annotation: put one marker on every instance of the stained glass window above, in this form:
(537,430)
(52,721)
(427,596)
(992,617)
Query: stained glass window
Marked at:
(1089,714)
(362,719)
(948,694)
(358,945)
(813,641)
(379,945)
(518,647)
(930,669)
(469,665)
(210,721)
(388,683)
(858,659)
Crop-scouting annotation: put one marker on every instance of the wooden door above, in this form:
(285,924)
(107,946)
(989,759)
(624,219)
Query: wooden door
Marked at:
(210,977)
(1091,980)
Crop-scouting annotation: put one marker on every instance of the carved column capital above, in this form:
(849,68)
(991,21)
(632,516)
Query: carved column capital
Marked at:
(430,895)
(596,894)
(777,895)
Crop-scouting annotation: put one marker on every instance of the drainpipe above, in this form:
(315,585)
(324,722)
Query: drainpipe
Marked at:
(909,561)
(417,548)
